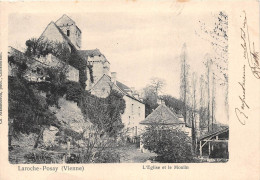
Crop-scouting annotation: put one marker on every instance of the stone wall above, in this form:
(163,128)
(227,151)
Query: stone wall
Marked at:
(65,24)
(35,67)
(133,115)
(100,67)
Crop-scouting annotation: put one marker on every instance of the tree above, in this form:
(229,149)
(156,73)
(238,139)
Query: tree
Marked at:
(105,113)
(41,48)
(33,115)
(171,145)
(173,103)
(208,65)
(151,94)
(184,83)
(202,108)
(149,99)
(194,109)
(217,35)
(157,84)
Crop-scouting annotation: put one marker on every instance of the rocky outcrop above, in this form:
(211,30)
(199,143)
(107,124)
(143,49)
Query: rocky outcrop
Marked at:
(73,124)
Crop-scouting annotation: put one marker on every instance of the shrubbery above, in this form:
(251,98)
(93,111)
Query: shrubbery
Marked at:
(43,157)
(170,145)
(26,109)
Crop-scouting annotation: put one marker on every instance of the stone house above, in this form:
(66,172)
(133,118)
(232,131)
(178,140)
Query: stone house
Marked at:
(35,66)
(135,108)
(164,116)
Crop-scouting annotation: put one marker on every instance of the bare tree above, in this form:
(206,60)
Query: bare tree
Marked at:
(203,104)
(184,86)
(208,89)
(213,91)
(151,92)
(194,109)
(217,35)
(157,84)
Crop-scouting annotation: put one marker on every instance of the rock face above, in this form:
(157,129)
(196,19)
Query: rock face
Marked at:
(49,135)
(70,117)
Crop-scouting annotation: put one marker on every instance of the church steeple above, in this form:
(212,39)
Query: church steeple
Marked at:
(70,29)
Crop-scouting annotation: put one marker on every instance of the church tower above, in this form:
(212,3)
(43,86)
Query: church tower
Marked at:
(70,29)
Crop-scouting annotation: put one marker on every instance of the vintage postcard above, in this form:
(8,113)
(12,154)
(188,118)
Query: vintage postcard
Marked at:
(130,90)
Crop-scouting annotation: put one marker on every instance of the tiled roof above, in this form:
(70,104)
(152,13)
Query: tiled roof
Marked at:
(64,15)
(123,87)
(94,52)
(162,115)
(126,90)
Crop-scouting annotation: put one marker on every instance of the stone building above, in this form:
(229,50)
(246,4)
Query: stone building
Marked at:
(35,66)
(135,108)
(65,30)
(100,65)
(165,117)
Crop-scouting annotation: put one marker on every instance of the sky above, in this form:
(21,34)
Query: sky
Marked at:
(138,45)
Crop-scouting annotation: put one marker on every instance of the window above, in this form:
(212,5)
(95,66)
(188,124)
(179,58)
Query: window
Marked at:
(68,33)
(139,111)
(129,118)
(132,108)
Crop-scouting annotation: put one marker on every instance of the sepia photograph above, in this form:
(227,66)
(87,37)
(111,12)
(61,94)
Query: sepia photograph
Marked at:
(129,89)
(118,87)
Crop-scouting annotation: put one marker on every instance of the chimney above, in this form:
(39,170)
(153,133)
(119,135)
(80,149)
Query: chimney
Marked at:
(113,77)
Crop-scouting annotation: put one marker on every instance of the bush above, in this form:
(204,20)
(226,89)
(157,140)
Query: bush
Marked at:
(42,157)
(106,156)
(171,145)
(33,113)
(220,151)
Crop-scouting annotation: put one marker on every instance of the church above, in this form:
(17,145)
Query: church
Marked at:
(66,31)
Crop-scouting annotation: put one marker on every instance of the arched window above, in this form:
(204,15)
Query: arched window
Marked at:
(68,32)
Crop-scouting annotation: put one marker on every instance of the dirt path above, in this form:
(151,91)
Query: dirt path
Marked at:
(132,154)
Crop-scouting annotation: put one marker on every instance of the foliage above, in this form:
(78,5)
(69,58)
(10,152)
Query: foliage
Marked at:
(149,99)
(41,47)
(170,145)
(20,64)
(90,67)
(151,94)
(74,92)
(56,77)
(25,107)
(107,156)
(105,113)
(220,151)
(42,157)
(172,102)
